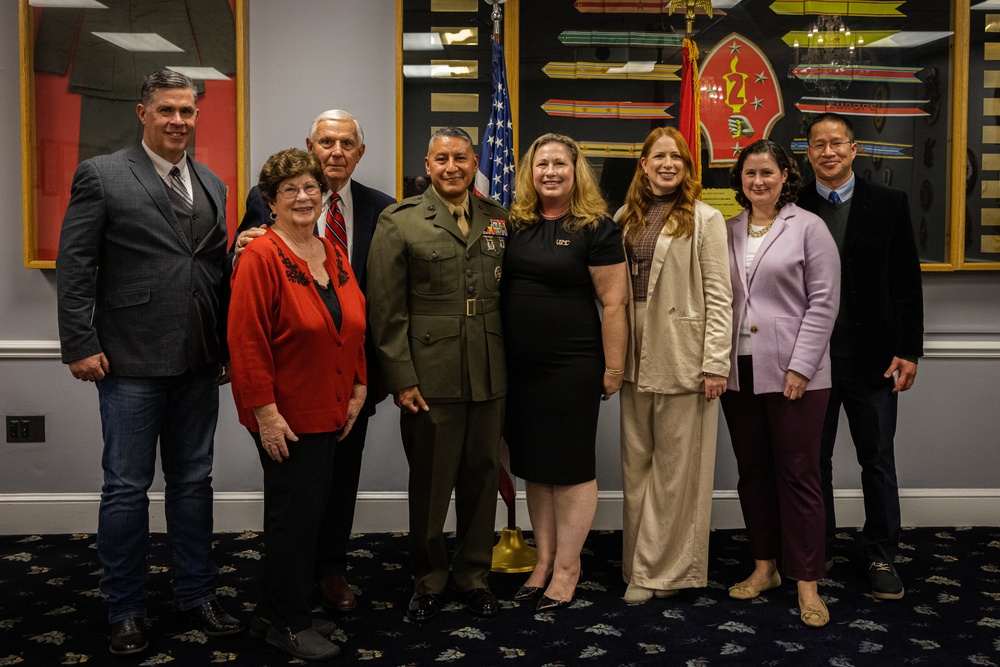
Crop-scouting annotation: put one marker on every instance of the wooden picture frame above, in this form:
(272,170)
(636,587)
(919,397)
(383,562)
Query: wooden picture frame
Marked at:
(960,96)
(73,105)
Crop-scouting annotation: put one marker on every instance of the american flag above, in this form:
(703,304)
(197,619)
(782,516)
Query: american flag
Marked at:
(496,159)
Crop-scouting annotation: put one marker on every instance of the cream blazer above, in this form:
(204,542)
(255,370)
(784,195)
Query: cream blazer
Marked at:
(689,316)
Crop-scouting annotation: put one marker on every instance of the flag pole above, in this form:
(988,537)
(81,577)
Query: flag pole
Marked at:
(689,122)
(496,180)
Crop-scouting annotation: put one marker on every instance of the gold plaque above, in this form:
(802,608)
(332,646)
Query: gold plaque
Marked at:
(455,102)
(990,217)
(454,5)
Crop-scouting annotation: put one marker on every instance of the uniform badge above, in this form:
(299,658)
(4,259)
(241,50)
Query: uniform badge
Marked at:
(562,241)
(496,228)
(490,245)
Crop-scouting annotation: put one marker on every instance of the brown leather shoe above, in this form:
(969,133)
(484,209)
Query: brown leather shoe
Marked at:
(337,593)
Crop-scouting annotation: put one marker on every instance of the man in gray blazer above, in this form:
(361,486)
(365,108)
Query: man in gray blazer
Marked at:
(337,139)
(139,277)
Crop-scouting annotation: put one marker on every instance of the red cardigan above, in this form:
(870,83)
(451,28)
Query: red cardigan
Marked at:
(283,344)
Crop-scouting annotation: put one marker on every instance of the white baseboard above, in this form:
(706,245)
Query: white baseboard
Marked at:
(383,512)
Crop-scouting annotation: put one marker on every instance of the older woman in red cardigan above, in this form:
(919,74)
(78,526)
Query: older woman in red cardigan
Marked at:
(296,336)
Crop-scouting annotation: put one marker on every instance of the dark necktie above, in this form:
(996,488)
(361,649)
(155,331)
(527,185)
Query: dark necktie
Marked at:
(336,230)
(177,185)
(834,197)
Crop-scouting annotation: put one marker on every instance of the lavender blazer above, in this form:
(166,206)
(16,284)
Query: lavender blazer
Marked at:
(791,298)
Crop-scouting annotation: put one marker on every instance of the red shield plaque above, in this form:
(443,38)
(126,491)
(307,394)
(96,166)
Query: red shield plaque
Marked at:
(740,98)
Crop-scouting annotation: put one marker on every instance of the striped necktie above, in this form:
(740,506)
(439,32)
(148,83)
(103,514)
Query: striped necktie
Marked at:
(177,185)
(336,230)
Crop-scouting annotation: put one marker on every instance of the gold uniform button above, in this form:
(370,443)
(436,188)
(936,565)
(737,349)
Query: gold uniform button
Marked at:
(753,328)
(673,310)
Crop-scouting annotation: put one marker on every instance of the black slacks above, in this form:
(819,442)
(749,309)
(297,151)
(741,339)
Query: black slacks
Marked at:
(871,418)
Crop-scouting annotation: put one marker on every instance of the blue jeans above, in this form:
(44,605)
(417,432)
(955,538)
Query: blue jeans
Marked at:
(181,412)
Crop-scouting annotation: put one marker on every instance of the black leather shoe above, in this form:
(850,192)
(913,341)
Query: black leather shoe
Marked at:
(259,627)
(214,620)
(128,637)
(423,607)
(305,645)
(528,592)
(884,581)
(548,604)
(480,602)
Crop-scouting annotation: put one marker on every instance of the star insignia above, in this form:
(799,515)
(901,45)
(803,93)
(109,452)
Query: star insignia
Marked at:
(761,78)
(737,148)
(735,47)
(757,103)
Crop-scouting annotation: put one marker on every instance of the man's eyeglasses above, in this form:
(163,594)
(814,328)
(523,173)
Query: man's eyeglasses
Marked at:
(835,146)
(291,192)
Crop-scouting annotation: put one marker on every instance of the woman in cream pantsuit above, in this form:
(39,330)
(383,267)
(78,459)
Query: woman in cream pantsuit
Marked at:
(677,364)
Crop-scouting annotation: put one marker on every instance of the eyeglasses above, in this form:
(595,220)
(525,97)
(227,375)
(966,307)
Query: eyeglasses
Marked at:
(291,192)
(835,146)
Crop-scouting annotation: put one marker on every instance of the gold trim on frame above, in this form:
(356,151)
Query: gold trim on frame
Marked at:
(29,140)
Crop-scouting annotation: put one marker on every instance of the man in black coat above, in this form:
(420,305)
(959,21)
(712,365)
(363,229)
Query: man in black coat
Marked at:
(877,339)
(348,218)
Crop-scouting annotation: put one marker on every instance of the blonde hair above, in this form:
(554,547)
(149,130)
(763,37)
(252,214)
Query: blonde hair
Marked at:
(639,199)
(586,205)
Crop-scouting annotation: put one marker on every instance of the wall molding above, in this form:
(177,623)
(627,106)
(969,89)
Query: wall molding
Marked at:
(936,346)
(383,512)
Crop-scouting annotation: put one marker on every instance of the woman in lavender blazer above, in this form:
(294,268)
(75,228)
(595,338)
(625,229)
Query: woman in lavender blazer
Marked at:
(785,271)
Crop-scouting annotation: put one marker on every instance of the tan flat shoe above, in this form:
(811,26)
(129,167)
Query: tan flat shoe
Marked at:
(636,594)
(747,591)
(813,616)
(660,593)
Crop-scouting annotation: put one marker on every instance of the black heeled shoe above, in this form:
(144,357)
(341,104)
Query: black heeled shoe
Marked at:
(547,604)
(528,592)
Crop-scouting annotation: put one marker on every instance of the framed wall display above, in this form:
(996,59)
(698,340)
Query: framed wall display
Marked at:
(82,62)
(766,67)
(918,78)
(979,159)
(443,78)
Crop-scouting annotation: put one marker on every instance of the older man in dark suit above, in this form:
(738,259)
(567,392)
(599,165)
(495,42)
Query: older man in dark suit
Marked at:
(139,279)
(348,220)
(878,336)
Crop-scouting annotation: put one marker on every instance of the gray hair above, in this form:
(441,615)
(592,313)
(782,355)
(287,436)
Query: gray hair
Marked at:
(337,114)
(164,78)
(450,131)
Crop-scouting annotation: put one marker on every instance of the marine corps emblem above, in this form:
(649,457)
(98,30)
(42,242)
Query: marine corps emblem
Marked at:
(740,98)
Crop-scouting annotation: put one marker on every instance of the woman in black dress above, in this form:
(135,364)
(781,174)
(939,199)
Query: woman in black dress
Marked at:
(562,358)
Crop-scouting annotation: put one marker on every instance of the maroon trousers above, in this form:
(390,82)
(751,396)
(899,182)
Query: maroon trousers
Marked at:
(777,442)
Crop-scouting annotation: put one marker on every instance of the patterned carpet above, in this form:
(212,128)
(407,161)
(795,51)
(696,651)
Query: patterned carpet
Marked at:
(51,611)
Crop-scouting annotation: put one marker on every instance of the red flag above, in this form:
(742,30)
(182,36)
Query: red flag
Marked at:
(690,122)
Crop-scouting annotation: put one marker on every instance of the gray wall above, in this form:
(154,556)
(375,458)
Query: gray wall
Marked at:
(950,421)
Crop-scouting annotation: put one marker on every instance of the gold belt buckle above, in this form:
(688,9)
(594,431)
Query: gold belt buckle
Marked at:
(470,307)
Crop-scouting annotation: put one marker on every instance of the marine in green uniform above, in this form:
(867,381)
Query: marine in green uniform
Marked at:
(433,292)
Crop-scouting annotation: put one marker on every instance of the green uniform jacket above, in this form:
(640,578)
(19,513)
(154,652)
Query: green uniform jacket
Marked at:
(434,299)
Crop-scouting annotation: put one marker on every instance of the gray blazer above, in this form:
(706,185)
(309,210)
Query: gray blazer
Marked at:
(129,283)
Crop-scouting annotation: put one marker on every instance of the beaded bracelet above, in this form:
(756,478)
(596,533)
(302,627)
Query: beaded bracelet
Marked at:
(614,371)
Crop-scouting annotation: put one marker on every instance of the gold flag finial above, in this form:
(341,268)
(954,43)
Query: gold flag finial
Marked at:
(689,7)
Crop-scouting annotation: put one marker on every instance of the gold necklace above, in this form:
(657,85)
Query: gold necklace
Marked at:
(756,235)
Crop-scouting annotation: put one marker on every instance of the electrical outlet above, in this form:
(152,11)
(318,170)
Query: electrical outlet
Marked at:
(26,429)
